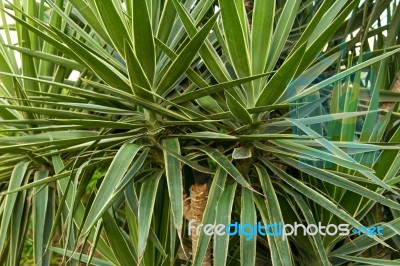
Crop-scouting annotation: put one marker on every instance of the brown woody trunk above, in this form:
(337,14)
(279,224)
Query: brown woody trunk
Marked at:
(395,88)
(194,210)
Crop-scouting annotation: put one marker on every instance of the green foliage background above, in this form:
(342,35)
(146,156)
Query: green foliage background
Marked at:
(288,110)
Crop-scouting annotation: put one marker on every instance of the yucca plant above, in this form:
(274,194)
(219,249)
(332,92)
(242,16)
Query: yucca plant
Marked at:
(124,122)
